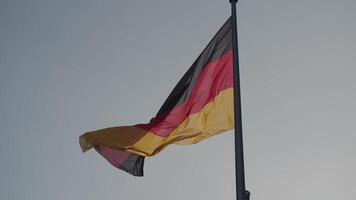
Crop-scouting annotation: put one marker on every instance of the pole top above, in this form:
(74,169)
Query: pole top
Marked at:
(233,1)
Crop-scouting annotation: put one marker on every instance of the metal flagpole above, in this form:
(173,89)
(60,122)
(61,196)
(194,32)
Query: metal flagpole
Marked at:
(241,193)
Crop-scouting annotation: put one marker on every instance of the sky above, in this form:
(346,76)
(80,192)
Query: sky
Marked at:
(72,66)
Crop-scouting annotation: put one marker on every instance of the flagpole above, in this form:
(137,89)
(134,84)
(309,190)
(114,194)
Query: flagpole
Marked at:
(241,193)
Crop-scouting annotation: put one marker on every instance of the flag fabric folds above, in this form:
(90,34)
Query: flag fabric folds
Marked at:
(200,106)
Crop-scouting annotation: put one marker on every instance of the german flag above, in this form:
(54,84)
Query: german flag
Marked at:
(200,106)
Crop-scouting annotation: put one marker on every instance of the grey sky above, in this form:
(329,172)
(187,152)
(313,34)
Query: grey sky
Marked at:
(67,67)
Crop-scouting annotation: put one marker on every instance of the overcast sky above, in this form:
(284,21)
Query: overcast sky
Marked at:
(71,66)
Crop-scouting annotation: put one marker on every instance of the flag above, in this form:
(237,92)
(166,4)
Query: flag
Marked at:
(200,106)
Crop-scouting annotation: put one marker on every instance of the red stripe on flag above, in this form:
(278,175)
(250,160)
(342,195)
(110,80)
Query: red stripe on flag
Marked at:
(216,76)
(115,157)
